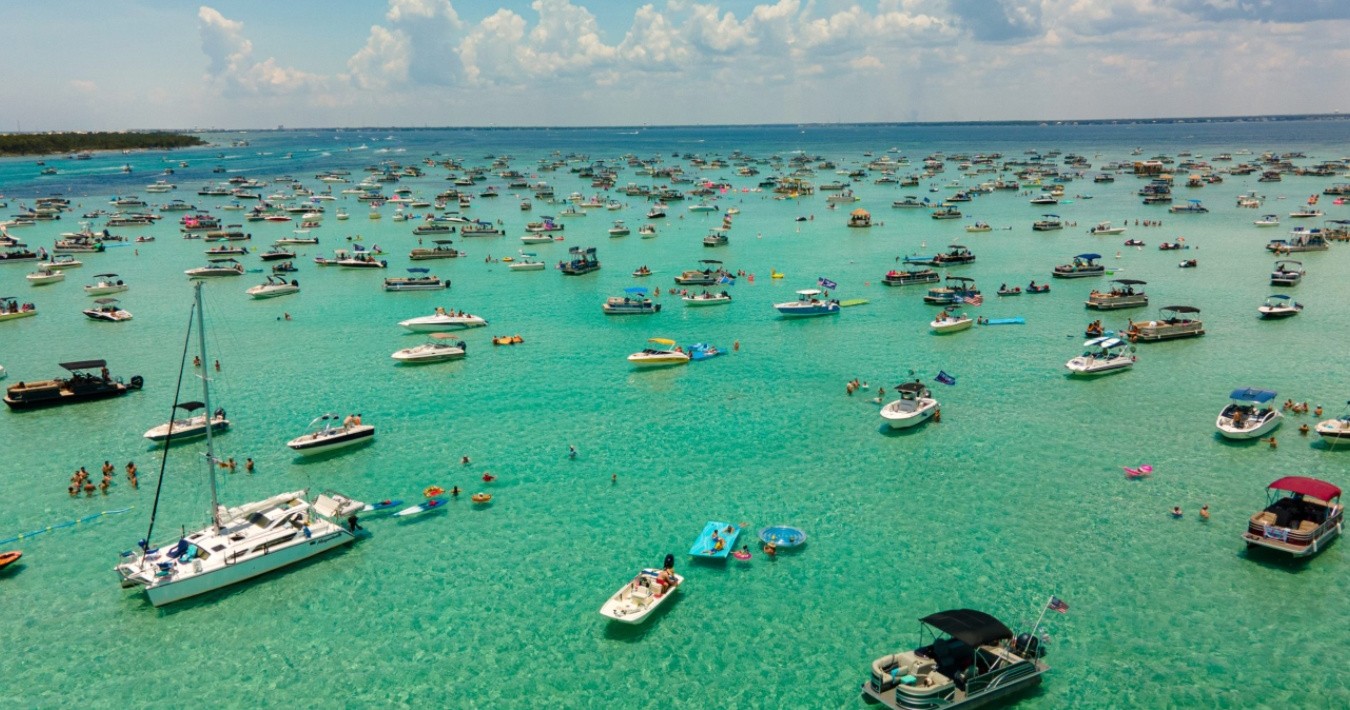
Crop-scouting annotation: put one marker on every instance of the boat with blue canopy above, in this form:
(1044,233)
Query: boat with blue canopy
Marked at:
(809,303)
(1082,265)
(1102,356)
(1278,305)
(1250,415)
(418,279)
(716,541)
(633,302)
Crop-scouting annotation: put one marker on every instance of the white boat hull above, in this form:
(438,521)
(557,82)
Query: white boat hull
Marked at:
(951,326)
(715,301)
(261,292)
(1093,367)
(1229,431)
(435,324)
(310,444)
(104,290)
(897,418)
(636,600)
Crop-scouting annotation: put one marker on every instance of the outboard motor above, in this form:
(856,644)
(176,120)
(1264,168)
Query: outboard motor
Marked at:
(670,562)
(1028,646)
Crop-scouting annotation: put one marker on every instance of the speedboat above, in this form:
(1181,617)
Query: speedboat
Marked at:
(710,274)
(1300,524)
(190,426)
(418,279)
(78,387)
(641,271)
(949,322)
(217,267)
(979,227)
(1175,322)
(1103,356)
(1279,305)
(619,229)
(1105,229)
(647,231)
(326,434)
(528,261)
(1250,415)
(1269,220)
(274,286)
(915,406)
(441,347)
(636,600)
(60,262)
(276,253)
(808,304)
(707,299)
(972,659)
(360,260)
(107,309)
(1121,295)
(670,354)
(1083,265)
(633,302)
(1335,431)
(442,320)
(1287,273)
(45,276)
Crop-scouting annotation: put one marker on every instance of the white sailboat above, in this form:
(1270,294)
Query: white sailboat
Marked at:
(241,542)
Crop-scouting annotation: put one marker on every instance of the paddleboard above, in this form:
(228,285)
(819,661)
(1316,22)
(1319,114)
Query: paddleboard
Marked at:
(1006,321)
(852,302)
(382,505)
(431,504)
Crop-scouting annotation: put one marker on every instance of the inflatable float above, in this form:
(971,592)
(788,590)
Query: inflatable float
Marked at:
(480,497)
(1139,472)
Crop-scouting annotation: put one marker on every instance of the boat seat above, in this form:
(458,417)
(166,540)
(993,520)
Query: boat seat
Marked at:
(887,671)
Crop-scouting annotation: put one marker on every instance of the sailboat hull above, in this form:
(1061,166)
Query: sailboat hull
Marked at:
(221,577)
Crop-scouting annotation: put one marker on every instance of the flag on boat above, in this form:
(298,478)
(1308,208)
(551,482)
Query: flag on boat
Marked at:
(1058,605)
(727,280)
(975,300)
(945,378)
(826,283)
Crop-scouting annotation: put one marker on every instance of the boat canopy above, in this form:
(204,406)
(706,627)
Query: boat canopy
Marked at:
(1180,309)
(974,628)
(1282,262)
(190,406)
(99,276)
(662,341)
(1277,296)
(1089,257)
(441,241)
(809,292)
(1053,216)
(1129,282)
(1109,341)
(914,388)
(636,289)
(1307,486)
(418,270)
(105,301)
(1251,394)
(709,261)
(84,364)
(962,279)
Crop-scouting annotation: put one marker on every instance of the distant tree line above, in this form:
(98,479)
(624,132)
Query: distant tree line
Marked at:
(48,143)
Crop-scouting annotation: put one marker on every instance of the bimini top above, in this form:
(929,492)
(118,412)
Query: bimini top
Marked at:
(636,289)
(1251,394)
(1307,486)
(809,292)
(84,365)
(1180,309)
(1278,297)
(709,261)
(1089,257)
(418,270)
(190,406)
(974,628)
(1109,341)
(914,388)
(1128,282)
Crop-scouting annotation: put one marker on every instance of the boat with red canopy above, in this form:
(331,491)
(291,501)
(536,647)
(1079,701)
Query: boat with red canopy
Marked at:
(1301,523)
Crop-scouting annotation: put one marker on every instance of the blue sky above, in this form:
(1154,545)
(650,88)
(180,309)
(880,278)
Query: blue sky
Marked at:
(83,64)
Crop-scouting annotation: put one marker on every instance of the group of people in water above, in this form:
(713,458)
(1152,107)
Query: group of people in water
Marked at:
(82,481)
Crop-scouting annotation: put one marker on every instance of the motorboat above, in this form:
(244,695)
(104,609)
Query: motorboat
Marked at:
(327,434)
(1191,207)
(45,276)
(908,278)
(915,406)
(716,541)
(647,231)
(418,279)
(1300,239)
(711,273)
(1135,243)
(441,250)
(1179,244)
(950,322)
(78,387)
(633,302)
(583,261)
(706,299)
(957,289)
(361,260)
(1279,305)
(972,659)
(1048,223)
(641,271)
(956,255)
(60,262)
(1122,294)
(432,228)
(1301,523)
(1287,273)
(277,253)
(190,426)
(1082,266)
(636,600)
(217,268)
(1306,213)
(1173,322)
(107,309)
(274,286)
(545,224)
(716,238)
(1104,229)
(619,229)
(808,304)
(11,309)
(1103,356)
(1250,415)
(443,320)
(699,352)
(299,238)
(241,542)
(1189,263)
(225,250)
(440,347)
(979,227)
(479,228)
(1006,290)
(910,202)
(1335,431)
(1044,198)
(14,256)
(664,356)
(528,261)
(1269,220)
(946,212)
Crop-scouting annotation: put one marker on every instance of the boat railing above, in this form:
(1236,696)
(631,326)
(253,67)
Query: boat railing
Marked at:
(1260,528)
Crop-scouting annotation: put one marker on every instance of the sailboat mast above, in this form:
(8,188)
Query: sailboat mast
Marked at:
(206,401)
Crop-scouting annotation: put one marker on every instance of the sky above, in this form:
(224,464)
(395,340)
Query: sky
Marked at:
(125,64)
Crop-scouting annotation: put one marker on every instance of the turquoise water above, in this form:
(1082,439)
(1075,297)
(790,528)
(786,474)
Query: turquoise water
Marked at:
(1016,494)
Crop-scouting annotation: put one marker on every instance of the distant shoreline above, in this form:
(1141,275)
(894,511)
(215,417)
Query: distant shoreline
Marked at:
(21,144)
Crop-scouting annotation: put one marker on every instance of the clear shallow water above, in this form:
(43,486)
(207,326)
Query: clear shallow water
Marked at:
(1016,494)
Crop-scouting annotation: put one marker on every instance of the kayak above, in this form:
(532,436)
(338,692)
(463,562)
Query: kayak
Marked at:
(9,558)
(382,505)
(429,505)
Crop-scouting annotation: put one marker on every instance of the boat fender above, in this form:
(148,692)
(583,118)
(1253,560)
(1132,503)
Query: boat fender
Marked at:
(137,382)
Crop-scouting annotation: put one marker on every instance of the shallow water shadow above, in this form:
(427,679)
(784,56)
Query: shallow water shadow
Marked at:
(1277,561)
(214,596)
(890,433)
(1237,443)
(330,455)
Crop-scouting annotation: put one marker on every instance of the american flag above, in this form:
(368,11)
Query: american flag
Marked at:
(975,300)
(1058,605)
